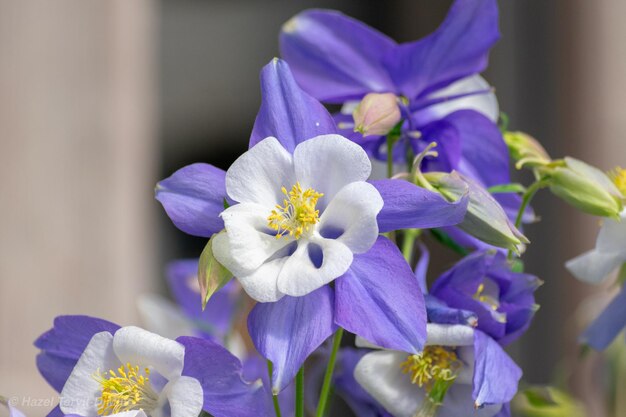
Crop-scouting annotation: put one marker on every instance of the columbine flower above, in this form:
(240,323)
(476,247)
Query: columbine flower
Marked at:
(594,267)
(302,215)
(483,283)
(461,372)
(340,60)
(101,369)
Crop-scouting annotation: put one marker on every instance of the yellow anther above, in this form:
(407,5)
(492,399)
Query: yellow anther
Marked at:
(128,389)
(434,363)
(618,175)
(297,214)
(487,299)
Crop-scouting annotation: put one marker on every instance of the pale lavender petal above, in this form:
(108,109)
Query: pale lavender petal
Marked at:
(408,206)
(438,312)
(193,197)
(288,113)
(226,394)
(287,331)
(380,300)
(334,57)
(496,376)
(608,325)
(457,49)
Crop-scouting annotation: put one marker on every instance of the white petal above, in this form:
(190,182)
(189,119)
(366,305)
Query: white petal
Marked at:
(458,402)
(262,284)
(81,392)
(352,213)
(366,344)
(612,236)
(258,175)
(248,243)
(315,263)
(449,335)
(185,397)
(141,348)
(380,374)
(161,316)
(466,374)
(132,413)
(594,266)
(487,103)
(327,163)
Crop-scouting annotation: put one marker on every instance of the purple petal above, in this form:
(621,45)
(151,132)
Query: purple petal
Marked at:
(288,331)
(448,140)
(438,312)
(380,300)
(55,369)
(457,49)
(217,316)
(334,57)
(56,412)
(288,113)
(70,335)
(193,197)
(496,376)
(421,268)
(226,394)
(409,206)
(505,411)
(608,325)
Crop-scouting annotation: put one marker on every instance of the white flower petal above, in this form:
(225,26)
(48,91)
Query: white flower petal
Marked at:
(159,315)
(366,344)
(81,392)
(262,284)
(449,335)
(185,396)
(594,266)
(258,175)
(380,374)
(486,104)
(248,241)
(612,236)
(458,402)
(132,413)
(141,348)
(327,163)
(315,263)
(351,214)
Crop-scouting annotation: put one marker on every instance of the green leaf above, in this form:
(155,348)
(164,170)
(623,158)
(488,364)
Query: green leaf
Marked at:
(507,188)
(212,276)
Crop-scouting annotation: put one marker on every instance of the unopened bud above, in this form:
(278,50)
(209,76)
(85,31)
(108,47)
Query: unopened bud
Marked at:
(525,150)
(376,114)
(485,218)
(586,188)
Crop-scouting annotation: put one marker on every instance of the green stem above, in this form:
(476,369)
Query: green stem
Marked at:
(409,243)
(300,393)
(526,198)
(321,405)
(270,370)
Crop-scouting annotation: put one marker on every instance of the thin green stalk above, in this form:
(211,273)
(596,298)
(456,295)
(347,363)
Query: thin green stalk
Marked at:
(321,405)
(526,198)
(270,370)
(409,243)
(300,393)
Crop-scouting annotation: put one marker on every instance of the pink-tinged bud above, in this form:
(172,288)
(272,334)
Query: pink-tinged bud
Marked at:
(376,114)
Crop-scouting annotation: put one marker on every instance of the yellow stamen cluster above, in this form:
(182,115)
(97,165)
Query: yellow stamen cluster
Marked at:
(297,214)
(434,363)
(125,390)
(487,299)
(618,175)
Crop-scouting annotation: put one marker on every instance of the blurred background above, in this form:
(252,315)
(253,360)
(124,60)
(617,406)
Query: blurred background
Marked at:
(99,100)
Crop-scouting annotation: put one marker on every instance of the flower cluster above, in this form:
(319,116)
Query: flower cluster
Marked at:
(319,247)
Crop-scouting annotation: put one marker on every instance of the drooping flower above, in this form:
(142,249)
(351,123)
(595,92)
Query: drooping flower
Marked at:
(461,372)
(103,369)
(484,284)
(442,98)
(594,267)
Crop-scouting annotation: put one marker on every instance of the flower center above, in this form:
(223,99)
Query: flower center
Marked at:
(125,390)
(297,214)
(618,175)
(433,364)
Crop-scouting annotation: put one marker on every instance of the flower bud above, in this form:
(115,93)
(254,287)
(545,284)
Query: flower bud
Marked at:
(525,150)
(376,114)
(586,188)
(485,218)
